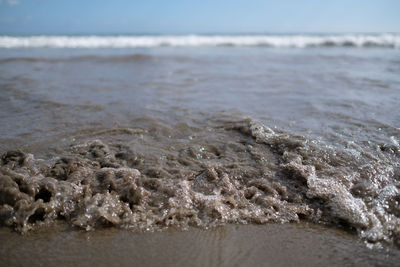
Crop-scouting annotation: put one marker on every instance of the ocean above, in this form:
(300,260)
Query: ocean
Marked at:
(152,132)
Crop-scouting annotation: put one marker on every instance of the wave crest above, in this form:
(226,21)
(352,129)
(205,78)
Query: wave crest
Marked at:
(284,41)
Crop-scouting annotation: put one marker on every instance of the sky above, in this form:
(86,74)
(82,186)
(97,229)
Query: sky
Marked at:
(191,16)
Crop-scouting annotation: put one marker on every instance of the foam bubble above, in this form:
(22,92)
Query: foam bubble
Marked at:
(255,175)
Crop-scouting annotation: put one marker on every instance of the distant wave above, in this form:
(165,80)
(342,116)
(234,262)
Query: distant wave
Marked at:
(284,41)
(108,59)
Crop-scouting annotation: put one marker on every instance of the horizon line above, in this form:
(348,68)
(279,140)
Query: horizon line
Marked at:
(88,33)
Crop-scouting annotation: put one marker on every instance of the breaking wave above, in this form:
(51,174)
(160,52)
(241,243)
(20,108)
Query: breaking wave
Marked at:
(284,41)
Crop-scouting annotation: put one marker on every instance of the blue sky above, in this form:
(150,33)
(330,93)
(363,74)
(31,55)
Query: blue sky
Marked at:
(190,16)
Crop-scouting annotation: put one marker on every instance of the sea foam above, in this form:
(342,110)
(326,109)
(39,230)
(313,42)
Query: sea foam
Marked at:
(284,41)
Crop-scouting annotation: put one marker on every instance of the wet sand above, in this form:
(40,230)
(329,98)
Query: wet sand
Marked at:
(232,245)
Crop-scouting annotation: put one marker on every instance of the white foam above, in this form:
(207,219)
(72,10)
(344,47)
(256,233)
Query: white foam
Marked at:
(292,41)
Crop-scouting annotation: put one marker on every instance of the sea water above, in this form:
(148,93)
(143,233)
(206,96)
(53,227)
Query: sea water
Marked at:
(151,132)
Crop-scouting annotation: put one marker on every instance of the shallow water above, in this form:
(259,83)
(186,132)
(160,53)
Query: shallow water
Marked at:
(146,139)
(233,245)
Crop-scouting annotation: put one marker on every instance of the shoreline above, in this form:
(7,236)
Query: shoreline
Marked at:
(231,245)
